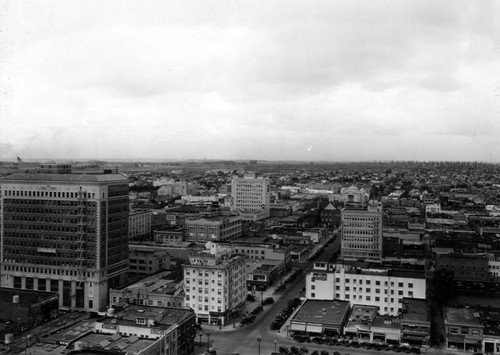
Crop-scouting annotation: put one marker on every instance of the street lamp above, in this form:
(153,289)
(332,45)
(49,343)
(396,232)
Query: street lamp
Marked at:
(259,339)
(208,339)
(200,337)
(275,343)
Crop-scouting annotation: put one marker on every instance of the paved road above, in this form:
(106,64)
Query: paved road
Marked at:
(243,340)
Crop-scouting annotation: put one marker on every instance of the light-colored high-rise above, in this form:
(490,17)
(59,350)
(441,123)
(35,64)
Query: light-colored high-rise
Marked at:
(250,197)
(65,233)
(362,233)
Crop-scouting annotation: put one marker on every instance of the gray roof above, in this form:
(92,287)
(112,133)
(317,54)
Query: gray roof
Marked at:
(64,178)
(321,311)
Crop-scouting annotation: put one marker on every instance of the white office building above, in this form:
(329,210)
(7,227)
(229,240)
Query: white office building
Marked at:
(250,197)
(371,286)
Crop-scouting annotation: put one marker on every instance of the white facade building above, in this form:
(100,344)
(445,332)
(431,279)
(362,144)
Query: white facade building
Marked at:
(381,287)
(362,233)
(215,284)
(250,197)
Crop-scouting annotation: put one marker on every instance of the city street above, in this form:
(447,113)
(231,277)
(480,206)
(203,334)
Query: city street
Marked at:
(245,339)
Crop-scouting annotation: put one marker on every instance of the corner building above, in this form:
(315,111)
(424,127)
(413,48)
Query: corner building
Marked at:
(215,284)
(65,233)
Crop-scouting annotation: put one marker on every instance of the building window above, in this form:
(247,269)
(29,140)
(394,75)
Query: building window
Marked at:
(313,295)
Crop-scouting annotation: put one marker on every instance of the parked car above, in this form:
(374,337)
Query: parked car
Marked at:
(304,350)
(268,300)
(283,350)
(294,350)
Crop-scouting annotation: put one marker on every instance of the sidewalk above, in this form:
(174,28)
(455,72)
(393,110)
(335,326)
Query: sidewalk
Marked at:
(250,306)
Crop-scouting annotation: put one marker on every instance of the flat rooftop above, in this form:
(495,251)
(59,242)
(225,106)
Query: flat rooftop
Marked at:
(362,317)
(128,344)
(65,178)
(463,316)
(415,310)
(160,282)
(324,312)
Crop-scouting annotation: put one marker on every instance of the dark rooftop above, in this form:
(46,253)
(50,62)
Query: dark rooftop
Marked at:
(325,312)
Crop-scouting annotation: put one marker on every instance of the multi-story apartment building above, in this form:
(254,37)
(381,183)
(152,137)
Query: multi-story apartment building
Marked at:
(362,233)
(370,285)
(139,224)
(65,233)
(250,197)
(215,284)
(213,229)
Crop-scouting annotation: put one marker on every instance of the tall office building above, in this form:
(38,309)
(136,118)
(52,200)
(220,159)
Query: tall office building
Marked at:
(65,233)
(250,197)
(362,233)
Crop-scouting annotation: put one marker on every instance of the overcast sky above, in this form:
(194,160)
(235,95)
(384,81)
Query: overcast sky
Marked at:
(276,80)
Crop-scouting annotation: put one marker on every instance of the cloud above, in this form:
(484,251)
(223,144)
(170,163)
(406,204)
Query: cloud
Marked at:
(222,79)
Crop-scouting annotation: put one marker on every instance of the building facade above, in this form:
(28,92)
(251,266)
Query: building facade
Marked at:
(215,284)
(372,286)
(213,229)
(250,197)
(65,233)
(139,224)
(362,233)
(148,260)
(173,329)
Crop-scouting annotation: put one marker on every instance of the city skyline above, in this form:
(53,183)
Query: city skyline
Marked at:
(309,81)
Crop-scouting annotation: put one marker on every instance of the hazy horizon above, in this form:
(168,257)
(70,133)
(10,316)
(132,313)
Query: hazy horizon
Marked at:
(343,81)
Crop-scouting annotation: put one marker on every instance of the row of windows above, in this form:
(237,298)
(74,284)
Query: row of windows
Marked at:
(47,271)
(200,290)
(205,307)
(202,273)
(62,194)
(377,282)
(203,299)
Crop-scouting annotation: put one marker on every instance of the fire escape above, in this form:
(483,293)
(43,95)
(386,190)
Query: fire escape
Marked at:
(81,246)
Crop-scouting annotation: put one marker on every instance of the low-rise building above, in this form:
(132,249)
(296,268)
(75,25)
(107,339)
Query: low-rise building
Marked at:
(168,235)
(158,290)
(148,260)
(463,329)
(415,322)
(319,317)
(360,322)
(386,329)
(213,229)
(173,329)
